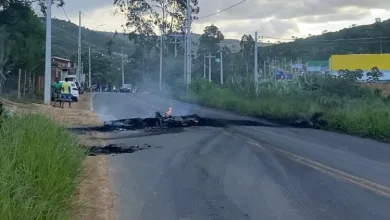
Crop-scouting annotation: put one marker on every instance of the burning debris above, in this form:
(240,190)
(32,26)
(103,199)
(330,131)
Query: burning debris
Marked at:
(161,120)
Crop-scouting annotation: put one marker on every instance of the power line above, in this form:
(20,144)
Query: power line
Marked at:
(335,40)
(93,18)
(223,10)
(66,15)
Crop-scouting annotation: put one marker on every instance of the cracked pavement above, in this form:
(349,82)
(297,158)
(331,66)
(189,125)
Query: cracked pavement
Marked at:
(241,172)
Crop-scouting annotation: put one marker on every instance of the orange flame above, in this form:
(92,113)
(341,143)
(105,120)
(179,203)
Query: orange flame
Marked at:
(169,112)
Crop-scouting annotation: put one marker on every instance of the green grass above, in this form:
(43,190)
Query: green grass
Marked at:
(347,107)
(35,97)
(40,168)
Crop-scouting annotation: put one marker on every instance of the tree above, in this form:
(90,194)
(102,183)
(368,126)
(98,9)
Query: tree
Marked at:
(247,45)
(209,40)
(41,3)
(144,17)
(374,74)
(23,34)
(351,75)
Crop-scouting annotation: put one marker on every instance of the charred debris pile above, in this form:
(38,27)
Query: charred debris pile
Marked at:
(161,120)
(165,120)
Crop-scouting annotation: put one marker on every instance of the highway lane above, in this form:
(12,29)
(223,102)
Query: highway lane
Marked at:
(243,172)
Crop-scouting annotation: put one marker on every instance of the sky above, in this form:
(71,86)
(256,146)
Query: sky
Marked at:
(274,18)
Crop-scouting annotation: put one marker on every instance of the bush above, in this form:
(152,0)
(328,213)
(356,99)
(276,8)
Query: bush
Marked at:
(40,168)
(346,106)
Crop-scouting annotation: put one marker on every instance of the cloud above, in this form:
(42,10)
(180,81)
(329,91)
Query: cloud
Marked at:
(340,15)
(270,27)
(284,9)
(281,18)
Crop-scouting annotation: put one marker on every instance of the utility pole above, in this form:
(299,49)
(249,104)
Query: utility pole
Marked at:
(89,69)
(79,50)
(123,70)
(189,41)
(221,62)
(209,56)
(161,57)
(256,77)
(204,66)
(47,90)
(185,54)
(19,78)
(175,42)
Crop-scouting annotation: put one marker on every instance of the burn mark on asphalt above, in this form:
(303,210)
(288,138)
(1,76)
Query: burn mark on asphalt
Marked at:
(113,149)
(161,124)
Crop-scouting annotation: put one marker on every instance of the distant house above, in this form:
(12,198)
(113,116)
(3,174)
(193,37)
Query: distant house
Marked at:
(60,67)
(317,66)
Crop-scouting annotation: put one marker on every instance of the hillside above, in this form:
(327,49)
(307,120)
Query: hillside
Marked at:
(321,47)
(64,40)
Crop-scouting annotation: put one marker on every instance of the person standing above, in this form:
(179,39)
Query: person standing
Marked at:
(57,87)
(66,93)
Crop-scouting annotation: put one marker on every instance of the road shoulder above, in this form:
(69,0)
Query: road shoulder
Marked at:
(94,196)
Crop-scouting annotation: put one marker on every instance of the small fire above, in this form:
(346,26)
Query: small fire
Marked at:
(169,112)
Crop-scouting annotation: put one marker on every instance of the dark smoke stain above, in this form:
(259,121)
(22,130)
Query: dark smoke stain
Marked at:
(116,149)
(162,125)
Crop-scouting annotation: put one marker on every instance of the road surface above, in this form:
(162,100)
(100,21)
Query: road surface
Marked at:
(242,172)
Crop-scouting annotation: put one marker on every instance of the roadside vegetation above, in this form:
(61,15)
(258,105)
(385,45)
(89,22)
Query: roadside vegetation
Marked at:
(345,105)
(40,168)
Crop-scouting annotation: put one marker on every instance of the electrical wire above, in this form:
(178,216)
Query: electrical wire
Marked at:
(223,10)
(92,18)
(66,15)
(335,40)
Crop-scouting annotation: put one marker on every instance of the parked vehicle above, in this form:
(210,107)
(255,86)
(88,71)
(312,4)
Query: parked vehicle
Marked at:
(126,88)
(74,91)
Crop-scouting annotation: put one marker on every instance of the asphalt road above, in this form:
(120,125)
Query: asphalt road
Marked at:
(242,172)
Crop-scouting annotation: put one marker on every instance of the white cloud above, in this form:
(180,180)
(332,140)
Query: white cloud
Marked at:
(279,18)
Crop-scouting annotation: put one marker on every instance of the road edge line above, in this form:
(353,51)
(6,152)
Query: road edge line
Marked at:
(91,102)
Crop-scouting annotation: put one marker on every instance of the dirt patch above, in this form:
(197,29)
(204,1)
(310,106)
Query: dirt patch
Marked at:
(94,193)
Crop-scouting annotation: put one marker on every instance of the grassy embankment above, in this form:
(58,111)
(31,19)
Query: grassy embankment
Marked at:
(347,107)
(40,168)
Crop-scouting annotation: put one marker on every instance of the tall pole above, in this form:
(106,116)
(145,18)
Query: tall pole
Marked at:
(209,67)
(123,70)
(19,86)
(256,78)
(175,46)
(79,51)
(185,59)
(189,41)
(209,56)
(161,58)
(89,69)
(175,42)
(47,94)
(204,66)
(220,53)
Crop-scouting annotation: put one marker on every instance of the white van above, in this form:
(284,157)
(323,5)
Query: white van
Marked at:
(74,91)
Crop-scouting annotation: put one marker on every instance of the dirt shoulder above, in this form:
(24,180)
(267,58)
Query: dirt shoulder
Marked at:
(94,193)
